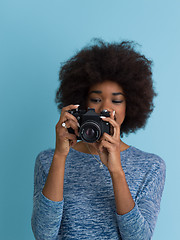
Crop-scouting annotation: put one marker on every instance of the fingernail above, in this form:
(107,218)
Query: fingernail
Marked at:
(102,117)
(77,105)
(113,113)
(78,125)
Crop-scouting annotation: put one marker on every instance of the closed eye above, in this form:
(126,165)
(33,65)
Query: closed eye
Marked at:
(98,100)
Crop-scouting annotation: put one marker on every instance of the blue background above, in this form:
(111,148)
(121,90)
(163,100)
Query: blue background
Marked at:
(35,37)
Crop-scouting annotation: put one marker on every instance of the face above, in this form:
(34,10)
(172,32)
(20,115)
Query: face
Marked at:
(108,95)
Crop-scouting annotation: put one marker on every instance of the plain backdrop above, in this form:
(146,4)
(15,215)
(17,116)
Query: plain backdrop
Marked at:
(35,38)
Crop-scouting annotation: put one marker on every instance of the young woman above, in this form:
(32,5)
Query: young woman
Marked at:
(105,189)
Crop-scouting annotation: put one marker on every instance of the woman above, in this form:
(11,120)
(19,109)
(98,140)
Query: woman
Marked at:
(74,196)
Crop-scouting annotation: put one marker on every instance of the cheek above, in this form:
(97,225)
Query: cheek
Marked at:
(121,116)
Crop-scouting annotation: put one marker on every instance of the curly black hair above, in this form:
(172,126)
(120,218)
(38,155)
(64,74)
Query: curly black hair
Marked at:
(118,62)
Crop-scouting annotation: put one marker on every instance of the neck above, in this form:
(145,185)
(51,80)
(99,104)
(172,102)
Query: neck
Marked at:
(91,149)
(82,147)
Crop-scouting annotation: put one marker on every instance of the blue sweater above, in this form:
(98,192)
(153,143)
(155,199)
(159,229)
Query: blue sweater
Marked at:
(88,208)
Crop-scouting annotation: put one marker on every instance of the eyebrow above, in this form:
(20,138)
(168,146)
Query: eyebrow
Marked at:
(115,93)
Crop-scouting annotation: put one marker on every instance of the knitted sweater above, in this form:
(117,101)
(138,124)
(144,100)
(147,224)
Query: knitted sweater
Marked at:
(88,209)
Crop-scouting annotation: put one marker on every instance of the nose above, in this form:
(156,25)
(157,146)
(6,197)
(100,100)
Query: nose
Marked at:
(105,105)
(107,109)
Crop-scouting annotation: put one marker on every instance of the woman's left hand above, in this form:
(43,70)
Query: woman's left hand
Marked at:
(108,147)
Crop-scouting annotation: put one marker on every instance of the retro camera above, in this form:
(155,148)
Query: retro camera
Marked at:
(92,126)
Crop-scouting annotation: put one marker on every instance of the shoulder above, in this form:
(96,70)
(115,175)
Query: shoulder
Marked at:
(44,159)
(152,157)
(147,160)
(147,168)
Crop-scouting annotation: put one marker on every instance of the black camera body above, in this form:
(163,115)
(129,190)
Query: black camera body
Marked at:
(92,126)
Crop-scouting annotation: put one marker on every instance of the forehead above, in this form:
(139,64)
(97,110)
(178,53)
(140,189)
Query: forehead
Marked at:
(107,87)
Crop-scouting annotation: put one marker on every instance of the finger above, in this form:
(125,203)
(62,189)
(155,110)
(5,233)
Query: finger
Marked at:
(116,127)
(71,138)
(105,144)
(66,116)
(69,107)
(66,109)
(108,138)
(111,127)
(71,124)
(112,115)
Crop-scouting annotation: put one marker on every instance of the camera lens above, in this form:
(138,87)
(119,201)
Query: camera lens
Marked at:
(90,131)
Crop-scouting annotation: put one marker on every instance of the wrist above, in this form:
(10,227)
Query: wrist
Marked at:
(59,154)
(118,174)
(59,160)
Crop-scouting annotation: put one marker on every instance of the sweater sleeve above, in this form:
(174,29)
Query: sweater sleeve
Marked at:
(140,222)
(47,214)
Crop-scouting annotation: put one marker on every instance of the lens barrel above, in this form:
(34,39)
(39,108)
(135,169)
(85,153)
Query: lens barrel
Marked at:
(90,131)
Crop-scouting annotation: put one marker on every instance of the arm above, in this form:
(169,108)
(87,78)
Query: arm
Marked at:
(47,214)
(136,222)
(123,198)
(48,193)
(140,222)
(53,188)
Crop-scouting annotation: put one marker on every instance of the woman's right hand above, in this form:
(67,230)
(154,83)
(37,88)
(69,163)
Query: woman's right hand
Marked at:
(64,139)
